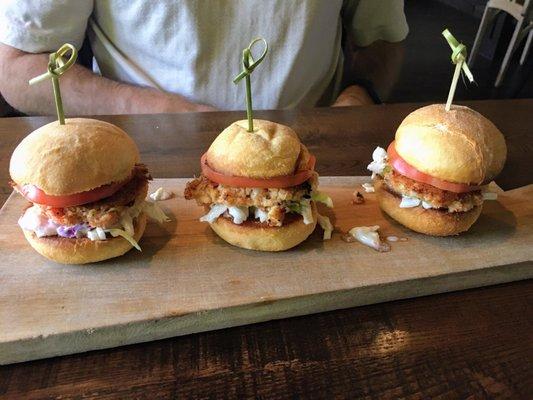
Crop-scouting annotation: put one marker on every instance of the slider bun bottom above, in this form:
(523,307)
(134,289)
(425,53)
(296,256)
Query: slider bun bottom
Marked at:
(83,250)
(256,236)
(430,222)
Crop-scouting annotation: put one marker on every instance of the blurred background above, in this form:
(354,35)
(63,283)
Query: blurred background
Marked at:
(427,70)
(425,73)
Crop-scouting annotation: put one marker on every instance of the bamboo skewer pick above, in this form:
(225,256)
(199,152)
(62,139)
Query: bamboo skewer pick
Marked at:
(57,66)
(248,65)
(459,59)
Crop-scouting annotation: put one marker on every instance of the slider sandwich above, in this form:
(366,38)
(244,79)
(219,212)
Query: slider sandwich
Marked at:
(259,188)
(432,177)
(86,190)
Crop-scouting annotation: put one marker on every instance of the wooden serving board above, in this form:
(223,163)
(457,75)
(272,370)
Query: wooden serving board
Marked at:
(188,280)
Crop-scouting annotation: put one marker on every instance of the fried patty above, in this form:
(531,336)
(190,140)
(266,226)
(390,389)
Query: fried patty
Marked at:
(207,192)
(106,212)
(438,198)
(272,201)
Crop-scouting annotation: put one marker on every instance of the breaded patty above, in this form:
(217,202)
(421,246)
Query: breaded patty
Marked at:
(438,198)
(271,201)
(207,192)
(106,212)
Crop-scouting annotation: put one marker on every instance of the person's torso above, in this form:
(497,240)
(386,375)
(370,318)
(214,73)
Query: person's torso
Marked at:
(194,48)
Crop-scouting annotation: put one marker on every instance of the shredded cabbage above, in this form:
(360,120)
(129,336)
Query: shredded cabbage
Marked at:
(100,233)
(369,236)
(239,214)
(322,197)
(369,188)
(119,232)
(127,222)
(306,212)
(379,161)
(426,205)
(42,226)
(409,202)
(92,235)
(490,196)
(216,211)
(74,231)
(160,194)
(294,207)
(304,207)
(261,215)
(136,209)
(154,212)
(96,234)
(325,224)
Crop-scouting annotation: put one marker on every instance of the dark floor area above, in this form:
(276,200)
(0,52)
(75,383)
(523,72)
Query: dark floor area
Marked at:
(427,70)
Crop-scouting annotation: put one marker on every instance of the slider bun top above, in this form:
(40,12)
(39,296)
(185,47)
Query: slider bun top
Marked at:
(270,150)
(81,155)
(459,145)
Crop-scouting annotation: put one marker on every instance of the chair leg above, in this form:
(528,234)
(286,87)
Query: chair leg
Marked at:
(527,46)
(509,52)
(488,16)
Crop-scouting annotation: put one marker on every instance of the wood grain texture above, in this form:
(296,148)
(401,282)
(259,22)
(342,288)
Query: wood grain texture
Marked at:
(474,344)
(188,280)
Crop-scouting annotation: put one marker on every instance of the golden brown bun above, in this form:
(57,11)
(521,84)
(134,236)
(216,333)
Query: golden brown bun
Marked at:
(270,150)
(255,236)
(83,251)
(459,145)
(72,158)
(430,222)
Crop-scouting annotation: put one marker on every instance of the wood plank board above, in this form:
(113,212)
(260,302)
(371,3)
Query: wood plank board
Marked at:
(188,280)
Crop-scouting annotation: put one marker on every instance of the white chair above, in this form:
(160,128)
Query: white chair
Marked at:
(522,11)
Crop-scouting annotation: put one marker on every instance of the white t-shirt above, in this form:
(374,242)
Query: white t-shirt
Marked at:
(194,48)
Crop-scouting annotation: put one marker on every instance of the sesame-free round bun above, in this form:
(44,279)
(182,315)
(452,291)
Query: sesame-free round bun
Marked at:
(270,150)
(83,251)
(81,155)
(430,222)
(459,145)
(255,236)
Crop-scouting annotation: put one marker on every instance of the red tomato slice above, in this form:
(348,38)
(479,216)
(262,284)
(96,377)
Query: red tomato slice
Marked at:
(36,195)
(402,167)
(241,181)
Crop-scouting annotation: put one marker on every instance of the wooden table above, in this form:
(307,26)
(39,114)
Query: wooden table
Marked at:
(474,344)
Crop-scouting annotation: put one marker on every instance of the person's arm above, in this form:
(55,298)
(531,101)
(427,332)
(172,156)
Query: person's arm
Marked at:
(373,49)
(83,92)
(379,64)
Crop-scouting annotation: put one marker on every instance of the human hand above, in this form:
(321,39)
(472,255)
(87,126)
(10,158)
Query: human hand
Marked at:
(172,103)
(143,100)
(353,96)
